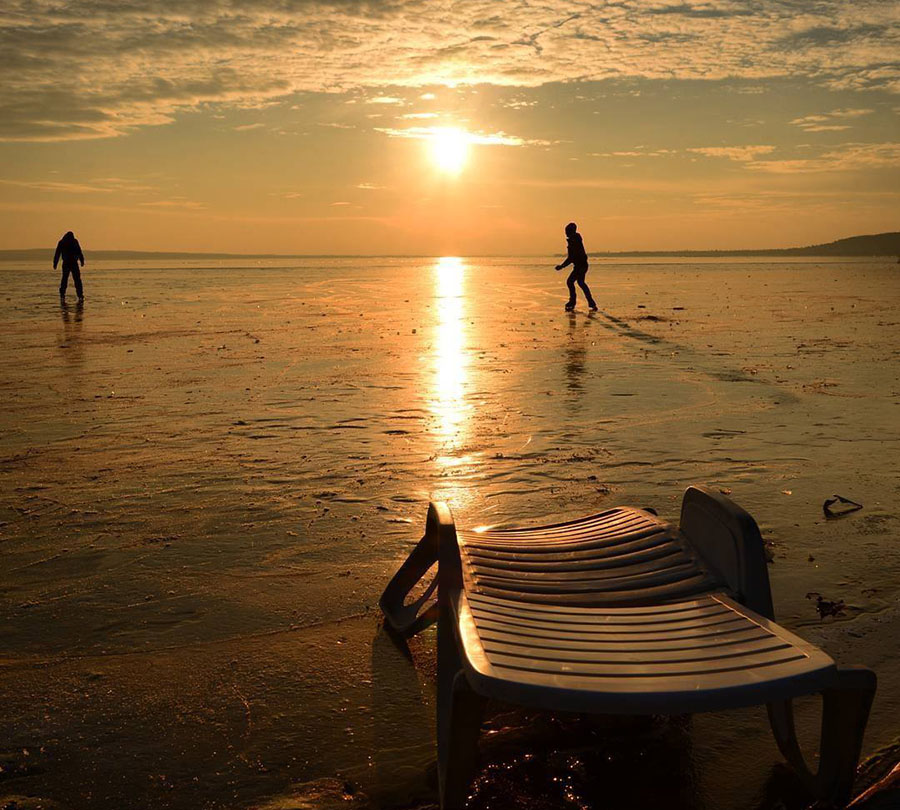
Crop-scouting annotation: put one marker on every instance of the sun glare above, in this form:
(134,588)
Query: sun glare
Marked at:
(449,149)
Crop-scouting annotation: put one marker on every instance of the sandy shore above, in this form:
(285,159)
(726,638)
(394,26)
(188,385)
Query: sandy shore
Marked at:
(207,475)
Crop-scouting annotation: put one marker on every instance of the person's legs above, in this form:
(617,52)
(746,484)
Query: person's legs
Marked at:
(76,277)
(585,289)
(570,283)
(64,282)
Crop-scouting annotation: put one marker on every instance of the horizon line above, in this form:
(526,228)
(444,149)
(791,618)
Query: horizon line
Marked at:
(625,253)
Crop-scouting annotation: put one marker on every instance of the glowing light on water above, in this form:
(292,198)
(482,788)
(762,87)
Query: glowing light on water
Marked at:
(450,352)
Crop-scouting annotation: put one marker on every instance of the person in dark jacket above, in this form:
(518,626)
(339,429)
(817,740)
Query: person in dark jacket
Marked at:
(579,261)
(69,251)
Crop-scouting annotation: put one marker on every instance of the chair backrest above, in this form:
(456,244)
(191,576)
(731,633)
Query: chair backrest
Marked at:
(728,541)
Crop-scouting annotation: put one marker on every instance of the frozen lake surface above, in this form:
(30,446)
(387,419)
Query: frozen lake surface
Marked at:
(209,471)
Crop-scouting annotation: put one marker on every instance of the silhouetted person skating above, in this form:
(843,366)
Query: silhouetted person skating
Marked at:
(579,261)
(69,251)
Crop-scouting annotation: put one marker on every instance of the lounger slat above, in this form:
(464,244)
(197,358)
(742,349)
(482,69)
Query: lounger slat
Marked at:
(609,517)
(524,545)
(600,581)
(638,593)
(599,631)
(624,641)
(583,570)
(615,555)
(590,544)
(723,633)
(625,525)
(597,617)
(656,669)
(517,609)
(720,633)
(638,656)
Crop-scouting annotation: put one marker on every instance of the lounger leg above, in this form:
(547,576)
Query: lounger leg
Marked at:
(845,711)
(460,711)
(459,722)
(845,714)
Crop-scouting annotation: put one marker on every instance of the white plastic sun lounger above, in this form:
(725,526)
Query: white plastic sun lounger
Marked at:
(620,613)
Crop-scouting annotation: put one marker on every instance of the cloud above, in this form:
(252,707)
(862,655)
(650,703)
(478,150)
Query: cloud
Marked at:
(178,203)
(847,157)
(739,153)
(102,185)
(849,113)
(478,138)
(813,127)
(826,122)
(101,68)
(638,151)
(850,156)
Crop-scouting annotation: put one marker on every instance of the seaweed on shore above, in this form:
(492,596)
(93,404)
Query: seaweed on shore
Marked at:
(827,607)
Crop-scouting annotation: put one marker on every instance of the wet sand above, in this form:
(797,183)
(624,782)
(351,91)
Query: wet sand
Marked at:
(208,474)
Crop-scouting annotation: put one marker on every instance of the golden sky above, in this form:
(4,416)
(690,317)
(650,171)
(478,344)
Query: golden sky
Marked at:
(468,127)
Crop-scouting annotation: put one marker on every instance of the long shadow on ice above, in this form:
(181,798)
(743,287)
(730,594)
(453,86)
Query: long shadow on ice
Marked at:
(403,725)
(698,361)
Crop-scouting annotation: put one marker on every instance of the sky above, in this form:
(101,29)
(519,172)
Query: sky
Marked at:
(443,128)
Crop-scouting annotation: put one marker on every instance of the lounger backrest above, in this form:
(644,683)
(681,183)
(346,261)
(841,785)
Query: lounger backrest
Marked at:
(730,545)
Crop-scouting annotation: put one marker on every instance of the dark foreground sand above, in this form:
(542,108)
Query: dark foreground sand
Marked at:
(206,477)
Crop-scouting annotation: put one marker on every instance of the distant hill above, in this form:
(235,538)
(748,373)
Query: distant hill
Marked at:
(879,244)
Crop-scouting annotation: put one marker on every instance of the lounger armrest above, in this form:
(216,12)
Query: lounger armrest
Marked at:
(439,538)
(728,542)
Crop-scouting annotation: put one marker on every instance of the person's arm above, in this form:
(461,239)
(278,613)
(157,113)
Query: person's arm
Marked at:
(80,254)
(569,259)
(56,256)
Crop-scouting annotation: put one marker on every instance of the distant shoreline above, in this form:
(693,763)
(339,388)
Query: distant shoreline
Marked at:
(37,253)
(870,246)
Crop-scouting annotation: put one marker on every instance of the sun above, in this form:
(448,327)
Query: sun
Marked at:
(449,149)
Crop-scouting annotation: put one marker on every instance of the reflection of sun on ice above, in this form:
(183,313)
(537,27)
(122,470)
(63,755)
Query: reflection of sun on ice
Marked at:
(449,149)
(450,349)
(449,276)
(449,380)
